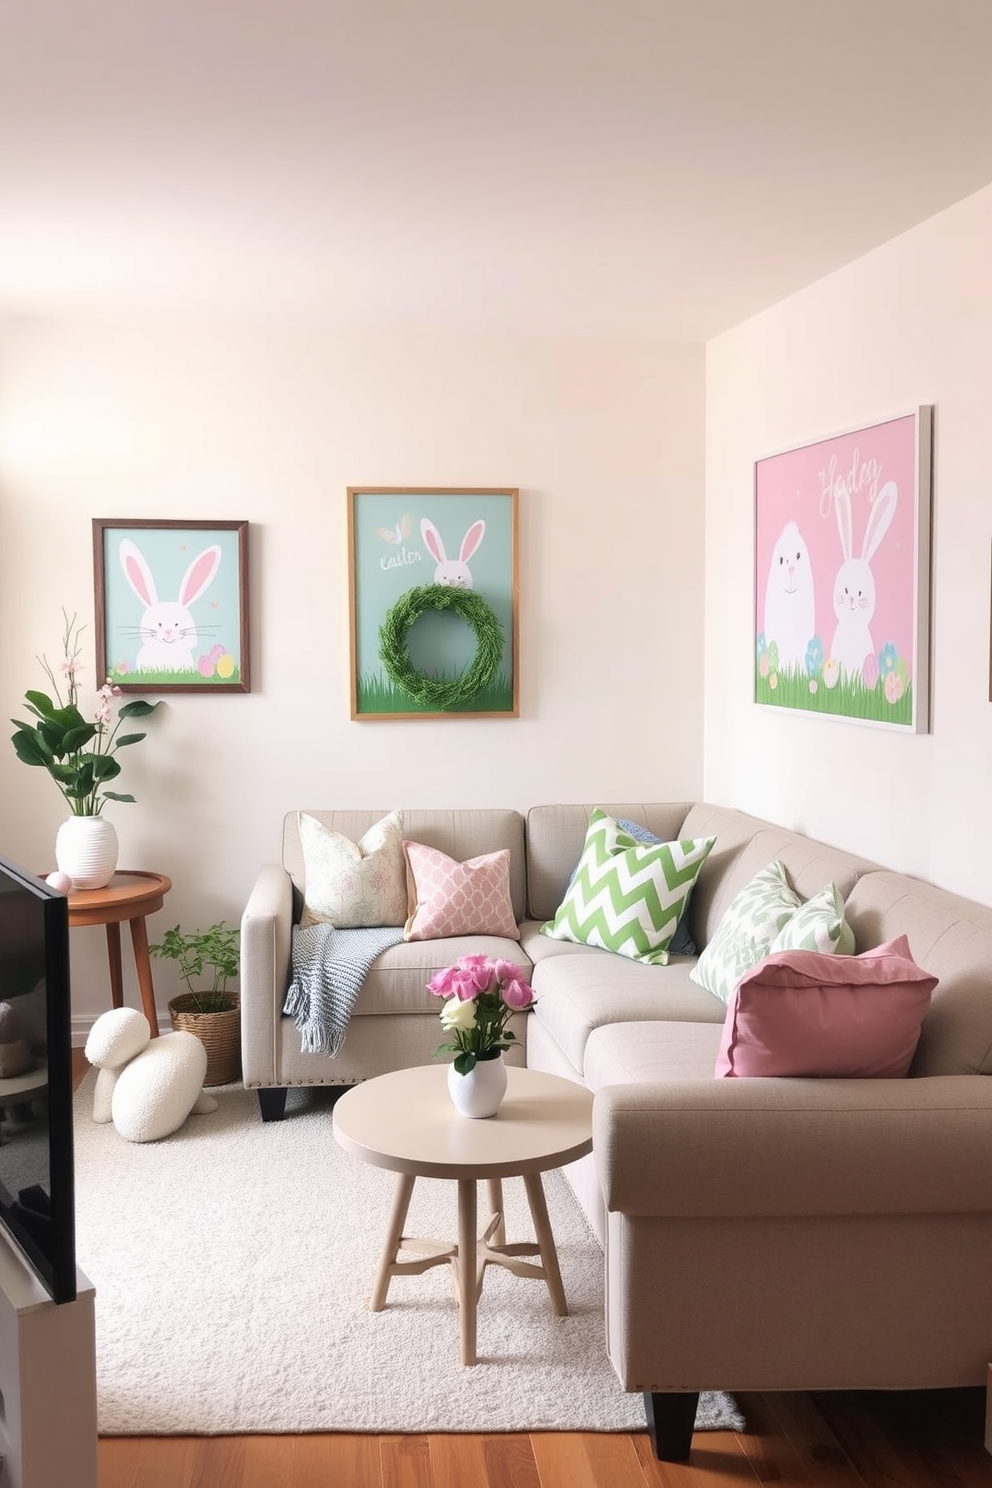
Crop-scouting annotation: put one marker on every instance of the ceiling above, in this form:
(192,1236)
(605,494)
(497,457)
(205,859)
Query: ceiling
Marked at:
(634,168)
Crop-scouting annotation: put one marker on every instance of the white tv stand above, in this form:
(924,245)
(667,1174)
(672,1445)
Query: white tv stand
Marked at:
(47,1381)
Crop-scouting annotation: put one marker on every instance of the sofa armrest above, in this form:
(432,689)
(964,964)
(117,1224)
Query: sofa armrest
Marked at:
(775,1148)
(266,947)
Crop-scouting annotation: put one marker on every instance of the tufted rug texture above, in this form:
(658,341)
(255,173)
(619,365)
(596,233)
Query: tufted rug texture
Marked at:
(233,1262)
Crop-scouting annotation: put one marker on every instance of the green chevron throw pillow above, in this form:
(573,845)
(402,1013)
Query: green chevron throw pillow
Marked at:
(627,896)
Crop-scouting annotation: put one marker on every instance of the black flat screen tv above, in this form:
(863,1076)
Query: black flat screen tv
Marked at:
(37,1201)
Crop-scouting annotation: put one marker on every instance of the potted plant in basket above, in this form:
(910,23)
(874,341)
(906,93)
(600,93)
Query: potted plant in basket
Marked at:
(481,995)
(207,960)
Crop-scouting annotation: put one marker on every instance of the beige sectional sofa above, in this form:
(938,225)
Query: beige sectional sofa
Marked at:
(763,1234)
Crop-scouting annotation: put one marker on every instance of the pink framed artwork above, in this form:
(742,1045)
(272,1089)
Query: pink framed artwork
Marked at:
(842,575)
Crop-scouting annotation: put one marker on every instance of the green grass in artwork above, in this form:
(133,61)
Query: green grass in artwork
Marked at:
(794,688)
(377,694)
(187,677)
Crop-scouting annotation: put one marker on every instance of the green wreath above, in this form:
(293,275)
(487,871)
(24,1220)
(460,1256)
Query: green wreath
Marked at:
(471,608)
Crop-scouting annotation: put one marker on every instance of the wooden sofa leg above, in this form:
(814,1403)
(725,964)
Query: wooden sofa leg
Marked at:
(272,1102)
(671,1418)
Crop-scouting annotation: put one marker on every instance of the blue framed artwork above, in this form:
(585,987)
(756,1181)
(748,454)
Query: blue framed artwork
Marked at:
(433,580)
(171,604)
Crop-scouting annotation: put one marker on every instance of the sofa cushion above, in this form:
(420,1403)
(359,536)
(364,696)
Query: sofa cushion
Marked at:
(745,844)
(353,885)
(397,980)
(591,988)
(642,1053)
(451,898)
(747,931)
(800,1013)
(626,896)
(556,834)
(952,937)
(462,833)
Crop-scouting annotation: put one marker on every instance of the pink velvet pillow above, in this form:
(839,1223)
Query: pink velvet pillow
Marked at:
(452,898)
(806,1013)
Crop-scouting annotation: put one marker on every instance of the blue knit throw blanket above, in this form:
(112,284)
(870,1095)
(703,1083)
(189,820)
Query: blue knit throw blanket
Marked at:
(329,967)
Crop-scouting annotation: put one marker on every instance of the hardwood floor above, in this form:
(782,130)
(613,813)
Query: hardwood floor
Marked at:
(919,1439)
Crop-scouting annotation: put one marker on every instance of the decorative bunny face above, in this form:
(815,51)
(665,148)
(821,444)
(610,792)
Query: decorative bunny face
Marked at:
(167,629)
(854,591)
(454,572)
(854,586)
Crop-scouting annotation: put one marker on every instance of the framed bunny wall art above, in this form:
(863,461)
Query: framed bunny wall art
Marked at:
(172,604)
(842,575)
(433,592)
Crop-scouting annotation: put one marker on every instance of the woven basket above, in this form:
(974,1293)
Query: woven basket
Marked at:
(219,1033)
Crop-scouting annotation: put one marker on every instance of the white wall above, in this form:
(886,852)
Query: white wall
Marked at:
(271,424)
(909,324)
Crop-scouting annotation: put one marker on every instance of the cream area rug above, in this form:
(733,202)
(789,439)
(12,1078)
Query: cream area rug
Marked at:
(233,1263)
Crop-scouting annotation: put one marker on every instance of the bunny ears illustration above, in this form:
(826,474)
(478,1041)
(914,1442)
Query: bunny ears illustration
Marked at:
(880,515)
(195,580)
(454,572)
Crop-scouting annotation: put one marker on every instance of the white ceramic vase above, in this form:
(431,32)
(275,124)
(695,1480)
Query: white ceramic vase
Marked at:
(86,849)
(480,1091)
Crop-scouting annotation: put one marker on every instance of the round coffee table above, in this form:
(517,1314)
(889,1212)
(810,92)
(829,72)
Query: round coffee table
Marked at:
(405,1121)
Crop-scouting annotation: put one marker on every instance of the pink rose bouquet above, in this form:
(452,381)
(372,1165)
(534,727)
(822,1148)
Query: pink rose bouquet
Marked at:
(480,997)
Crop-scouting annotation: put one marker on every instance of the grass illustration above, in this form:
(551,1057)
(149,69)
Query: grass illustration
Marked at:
(378,694)
(791,688)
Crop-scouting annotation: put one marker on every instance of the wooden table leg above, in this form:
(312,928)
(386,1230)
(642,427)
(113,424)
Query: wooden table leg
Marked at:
(116,973)
(467,1264)
(397,1219)
(545,1241)
(495,1186)
(143,966)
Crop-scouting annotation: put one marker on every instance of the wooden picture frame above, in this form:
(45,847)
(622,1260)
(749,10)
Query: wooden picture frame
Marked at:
(842,575)
(404,538)
(171,604)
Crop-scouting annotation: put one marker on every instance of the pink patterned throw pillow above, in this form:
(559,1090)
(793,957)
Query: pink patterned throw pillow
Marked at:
(809,1013)
(452,898)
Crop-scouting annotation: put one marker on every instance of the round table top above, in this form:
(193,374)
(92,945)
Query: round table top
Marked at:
(130,893)
(20,1087)
(406,1121)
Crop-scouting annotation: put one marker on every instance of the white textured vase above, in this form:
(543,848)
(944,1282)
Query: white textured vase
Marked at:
(480,1091)
(86,849)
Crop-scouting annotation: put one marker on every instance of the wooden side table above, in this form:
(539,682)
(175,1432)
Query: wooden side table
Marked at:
(405,1121)
(130,895)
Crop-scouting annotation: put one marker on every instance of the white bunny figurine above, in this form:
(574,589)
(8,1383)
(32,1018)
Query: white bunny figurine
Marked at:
(854,586)
(790,609)
(146,1086)
(167,630)
(454,572)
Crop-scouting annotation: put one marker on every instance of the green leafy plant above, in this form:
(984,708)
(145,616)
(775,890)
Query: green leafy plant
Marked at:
(79,755)
(215,951)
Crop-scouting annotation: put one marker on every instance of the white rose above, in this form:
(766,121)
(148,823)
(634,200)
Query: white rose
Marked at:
(457,1014)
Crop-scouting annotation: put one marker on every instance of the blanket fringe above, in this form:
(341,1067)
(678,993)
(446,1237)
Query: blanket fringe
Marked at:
(329,969)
